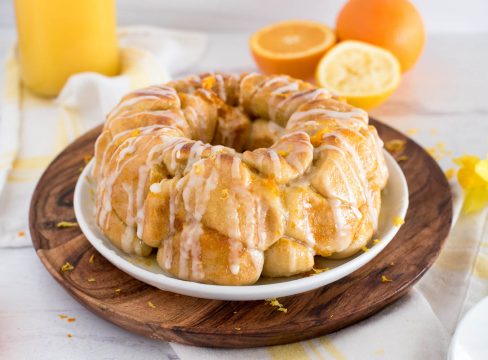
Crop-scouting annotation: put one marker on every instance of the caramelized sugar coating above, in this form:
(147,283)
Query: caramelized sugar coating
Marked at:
(234,177)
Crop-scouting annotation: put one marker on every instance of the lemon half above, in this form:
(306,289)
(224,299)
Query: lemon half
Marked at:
(365,75)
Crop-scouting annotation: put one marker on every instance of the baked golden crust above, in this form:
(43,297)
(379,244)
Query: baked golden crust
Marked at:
(234,177)
(287,257)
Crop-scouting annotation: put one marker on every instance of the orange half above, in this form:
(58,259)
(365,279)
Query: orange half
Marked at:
(291,47)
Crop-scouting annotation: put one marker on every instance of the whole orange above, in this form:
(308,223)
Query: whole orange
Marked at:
(395,25)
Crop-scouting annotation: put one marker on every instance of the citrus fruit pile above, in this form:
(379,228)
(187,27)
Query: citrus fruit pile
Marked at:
(361,61)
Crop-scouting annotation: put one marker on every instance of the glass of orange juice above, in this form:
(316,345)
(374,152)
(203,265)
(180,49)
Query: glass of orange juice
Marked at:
(59,38)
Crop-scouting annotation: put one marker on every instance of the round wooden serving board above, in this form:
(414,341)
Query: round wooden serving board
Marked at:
(215,323)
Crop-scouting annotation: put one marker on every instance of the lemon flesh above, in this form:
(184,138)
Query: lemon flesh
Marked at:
(364,74)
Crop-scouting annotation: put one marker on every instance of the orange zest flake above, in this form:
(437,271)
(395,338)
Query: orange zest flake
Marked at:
(91,259)
(67,267)
(396,145)
(208,82)
(69,335)
(117,291)
(225,193)
(21,233)
(270,184)
(376,241)
(282,153)
(70,320)
(87,158)
(135,133)
(317,138)
(283,95)
(62,316)
(237,328)
(198,168)
(151,305)
(316,271)
(402,158)
(66,224)
(365,248)
(398,221)
(91,280)
(274,302)
(385,279)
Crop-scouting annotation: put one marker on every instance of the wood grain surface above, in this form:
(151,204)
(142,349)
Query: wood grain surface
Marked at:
(167,316)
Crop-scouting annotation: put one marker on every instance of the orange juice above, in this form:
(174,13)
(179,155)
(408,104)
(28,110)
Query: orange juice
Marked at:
(59,38)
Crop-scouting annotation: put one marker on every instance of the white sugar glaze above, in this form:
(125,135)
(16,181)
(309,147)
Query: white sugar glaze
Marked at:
(193,171)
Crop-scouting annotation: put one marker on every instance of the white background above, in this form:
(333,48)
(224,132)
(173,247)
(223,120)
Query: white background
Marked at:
(439,15)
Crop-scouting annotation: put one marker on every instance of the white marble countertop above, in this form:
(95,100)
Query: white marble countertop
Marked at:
(443,101)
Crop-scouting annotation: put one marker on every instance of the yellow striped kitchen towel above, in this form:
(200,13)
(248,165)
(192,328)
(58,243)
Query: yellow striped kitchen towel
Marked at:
(33,130)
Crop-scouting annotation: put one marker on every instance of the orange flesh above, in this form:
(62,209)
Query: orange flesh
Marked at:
(291,38)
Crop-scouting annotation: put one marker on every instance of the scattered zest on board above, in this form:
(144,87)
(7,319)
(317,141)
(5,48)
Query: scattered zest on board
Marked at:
(67,267)
(274,302)
(66,224)
(151,305)
(396,146)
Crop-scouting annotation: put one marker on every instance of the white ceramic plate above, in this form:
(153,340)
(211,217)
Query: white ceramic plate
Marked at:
(469,341)
(394,203)
(457,200)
